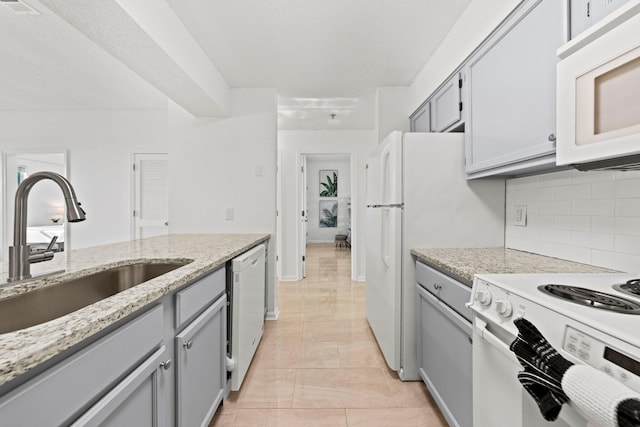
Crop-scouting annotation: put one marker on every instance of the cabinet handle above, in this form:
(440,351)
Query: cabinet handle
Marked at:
(187,345)
(552,137)
(437,287)
(166,364)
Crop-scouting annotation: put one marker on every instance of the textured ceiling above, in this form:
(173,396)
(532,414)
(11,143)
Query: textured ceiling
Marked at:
(47,64)
(322,56)
(330,52)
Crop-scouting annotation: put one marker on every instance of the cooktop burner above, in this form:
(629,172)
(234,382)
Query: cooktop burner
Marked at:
(592,298)
(630,287)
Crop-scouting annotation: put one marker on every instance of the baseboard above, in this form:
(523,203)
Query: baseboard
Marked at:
(271,315)
(361,279)
(289,279)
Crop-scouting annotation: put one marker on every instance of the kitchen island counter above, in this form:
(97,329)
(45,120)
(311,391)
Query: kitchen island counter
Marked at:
(463,263)
(27,348)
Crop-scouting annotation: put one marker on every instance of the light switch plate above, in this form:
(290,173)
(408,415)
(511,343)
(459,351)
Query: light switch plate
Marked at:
(520,215)
(229,213)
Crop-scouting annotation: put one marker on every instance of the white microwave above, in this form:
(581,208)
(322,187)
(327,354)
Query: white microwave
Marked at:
(598,95)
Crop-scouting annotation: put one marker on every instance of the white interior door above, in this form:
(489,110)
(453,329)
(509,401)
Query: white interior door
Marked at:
(304,216)
(150,195)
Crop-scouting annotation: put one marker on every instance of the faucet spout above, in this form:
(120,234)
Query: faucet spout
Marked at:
(20,257)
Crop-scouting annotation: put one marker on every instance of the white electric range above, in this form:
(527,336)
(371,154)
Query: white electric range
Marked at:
(591,319)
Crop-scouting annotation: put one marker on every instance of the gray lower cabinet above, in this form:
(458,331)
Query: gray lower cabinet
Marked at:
(200,366)
(133,402)
(443,342)
(511,79)
(65,391)
(163,367)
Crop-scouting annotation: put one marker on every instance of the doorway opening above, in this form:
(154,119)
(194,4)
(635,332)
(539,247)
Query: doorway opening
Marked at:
(324,210)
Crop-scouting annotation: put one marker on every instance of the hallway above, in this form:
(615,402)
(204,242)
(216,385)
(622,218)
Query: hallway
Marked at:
(319,364)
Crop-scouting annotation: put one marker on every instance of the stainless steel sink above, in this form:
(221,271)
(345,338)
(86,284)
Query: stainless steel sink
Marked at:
(42,305)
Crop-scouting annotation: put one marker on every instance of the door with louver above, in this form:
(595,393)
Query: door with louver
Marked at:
(151,195)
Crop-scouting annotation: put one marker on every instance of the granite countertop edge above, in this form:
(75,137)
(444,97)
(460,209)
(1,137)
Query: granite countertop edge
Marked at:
(27,348)
(463,263)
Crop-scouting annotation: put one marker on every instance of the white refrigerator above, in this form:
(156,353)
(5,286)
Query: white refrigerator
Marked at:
(418,197)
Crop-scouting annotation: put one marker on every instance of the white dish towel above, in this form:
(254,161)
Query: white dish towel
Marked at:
(595,394)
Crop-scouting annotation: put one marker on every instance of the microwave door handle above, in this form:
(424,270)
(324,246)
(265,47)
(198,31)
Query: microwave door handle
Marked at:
(482,330)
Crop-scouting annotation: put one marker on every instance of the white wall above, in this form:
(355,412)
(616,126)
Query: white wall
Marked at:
(589,217)
(391,110)
(476,23)
(99,145)
(315,233)
(220,163)
(293,143)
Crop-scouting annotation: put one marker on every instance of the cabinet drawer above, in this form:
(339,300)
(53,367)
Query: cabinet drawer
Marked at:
(450,291)
(196,297)
(68,388)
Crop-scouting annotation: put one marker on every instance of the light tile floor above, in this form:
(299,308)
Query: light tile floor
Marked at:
(319,364)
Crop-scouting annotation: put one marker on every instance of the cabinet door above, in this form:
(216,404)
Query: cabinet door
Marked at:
(133,402)
(585,13)
(512,89)
(446,106)
(420,120)
(444,357)
(201,367)
(580,16)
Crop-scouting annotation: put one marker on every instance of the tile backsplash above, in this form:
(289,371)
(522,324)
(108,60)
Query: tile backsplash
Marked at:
(588,217)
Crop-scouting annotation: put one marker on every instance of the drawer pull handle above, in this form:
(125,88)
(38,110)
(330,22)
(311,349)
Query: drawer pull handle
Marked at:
(437,287)
(188,344)
(166,364)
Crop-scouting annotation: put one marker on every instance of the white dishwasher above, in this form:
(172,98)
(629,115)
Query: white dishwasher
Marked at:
(246,305)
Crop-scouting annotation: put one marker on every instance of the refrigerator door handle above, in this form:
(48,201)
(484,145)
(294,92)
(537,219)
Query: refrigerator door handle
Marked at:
(384,235)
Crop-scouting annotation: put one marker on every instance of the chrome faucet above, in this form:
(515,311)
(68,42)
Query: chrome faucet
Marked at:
(20,256)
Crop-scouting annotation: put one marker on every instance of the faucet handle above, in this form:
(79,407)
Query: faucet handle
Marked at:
(43,255)
(51,244)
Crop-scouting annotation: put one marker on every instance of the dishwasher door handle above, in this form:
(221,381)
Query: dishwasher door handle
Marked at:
(482,330)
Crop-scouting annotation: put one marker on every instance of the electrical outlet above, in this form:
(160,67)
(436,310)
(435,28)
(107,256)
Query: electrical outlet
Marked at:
(520,215)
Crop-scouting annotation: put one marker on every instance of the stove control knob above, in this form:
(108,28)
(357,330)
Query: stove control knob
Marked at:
(503,307)
(483,296)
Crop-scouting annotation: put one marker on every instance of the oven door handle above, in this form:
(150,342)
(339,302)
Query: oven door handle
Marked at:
(482,330)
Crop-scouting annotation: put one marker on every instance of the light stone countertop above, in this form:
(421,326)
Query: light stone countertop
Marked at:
(27,348)
(463,263)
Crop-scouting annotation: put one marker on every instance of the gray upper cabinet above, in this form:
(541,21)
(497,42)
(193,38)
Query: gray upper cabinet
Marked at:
(446,105)
(511,81)
(442,111)
(585,13)
(420,120)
